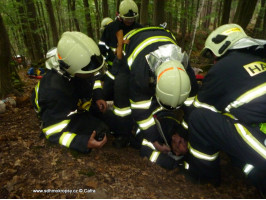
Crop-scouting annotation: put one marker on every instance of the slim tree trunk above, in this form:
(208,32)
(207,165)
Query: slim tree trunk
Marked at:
(50,10)
(196,24)
(105,10)
(31,13)
(88,18)
(144,12)
(97,15)
(5,58)
(226,11)
(258,29)
(158,12)
(246,9)
(73,11)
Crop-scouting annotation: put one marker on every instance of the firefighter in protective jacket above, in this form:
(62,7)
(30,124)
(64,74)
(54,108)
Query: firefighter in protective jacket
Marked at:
(111,41)
(68,98)
(229,112)
(158,76)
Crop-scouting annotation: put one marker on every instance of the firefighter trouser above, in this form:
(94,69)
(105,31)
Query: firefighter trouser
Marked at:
(210,132)
(122,110)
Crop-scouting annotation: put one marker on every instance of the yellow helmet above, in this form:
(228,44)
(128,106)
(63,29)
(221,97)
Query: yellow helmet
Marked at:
(128,9)
(78,53)
(222,38)
(105,22)
(173,84)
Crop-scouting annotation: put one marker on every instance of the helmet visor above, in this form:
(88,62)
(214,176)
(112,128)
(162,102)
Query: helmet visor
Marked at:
(95,64)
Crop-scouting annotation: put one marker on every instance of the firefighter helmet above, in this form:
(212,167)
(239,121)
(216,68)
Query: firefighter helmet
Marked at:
(78,53)
(222,38)
(128,9)
(105,22)
(173,84)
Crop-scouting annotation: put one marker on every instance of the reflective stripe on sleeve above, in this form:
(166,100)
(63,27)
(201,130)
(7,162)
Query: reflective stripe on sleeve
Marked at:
(201,155)
(154,156)
(251,140)
(140,104)
(247,169)
(147,123)
(147,143)
(199,104)
(248,96)
(122,112)
(55,128)
(66,139)
(97,84)
(111,76)
(189,101)
(103,44)
(37,97)
(184,124)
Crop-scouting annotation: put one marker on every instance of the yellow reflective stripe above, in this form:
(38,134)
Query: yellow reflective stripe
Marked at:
(144,44)
(154,156)
(189,101)
(247,169)
(55,128)
(135,31)
(231,30)
(157,110)
(97,84)
(140,104)
(248,96)
(86,105)
(186,165)
(184,124)
(66,138)
(147,123)
(37,96)
(111,76)
(122,111)
(230,115)
(147,143)
(201,155)
(251,140)
(199,104)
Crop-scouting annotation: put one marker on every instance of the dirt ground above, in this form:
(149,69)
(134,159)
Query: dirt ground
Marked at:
(30,164)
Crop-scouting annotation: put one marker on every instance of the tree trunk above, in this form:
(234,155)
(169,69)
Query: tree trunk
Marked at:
(245,10)
(117,5)
(70,26)
(258,29)
(5,58)
(196,24)
(158,12)
(226,11)
(31,13)
(144,12)
(105,10)
(50,10)
(97,15)
(73,11)
(88,18)
(41,24)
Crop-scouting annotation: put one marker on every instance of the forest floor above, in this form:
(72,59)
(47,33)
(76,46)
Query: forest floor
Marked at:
(30,164)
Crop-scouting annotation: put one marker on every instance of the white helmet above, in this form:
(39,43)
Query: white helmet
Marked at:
(105,22)
(78,53)
(173,84)
(128,9)
(222,38)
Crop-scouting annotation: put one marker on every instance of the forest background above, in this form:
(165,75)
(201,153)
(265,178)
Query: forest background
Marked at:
(32,27)
(30,164)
